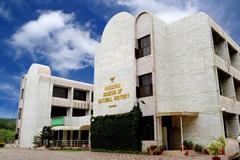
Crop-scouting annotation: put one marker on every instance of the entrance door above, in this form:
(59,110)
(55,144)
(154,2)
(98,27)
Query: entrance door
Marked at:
(167,132)
(171,132)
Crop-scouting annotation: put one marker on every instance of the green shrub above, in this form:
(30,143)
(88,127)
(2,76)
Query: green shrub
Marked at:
(7,135)
(117,132)
(198,148)
(6,123)
(188,144)
(215,147)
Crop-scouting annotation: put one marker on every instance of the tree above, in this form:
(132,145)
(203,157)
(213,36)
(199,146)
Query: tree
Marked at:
(7,135)
(46,135)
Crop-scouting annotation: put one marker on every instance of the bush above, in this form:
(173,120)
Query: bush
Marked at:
(7,135)
(216,146)
(155,149)
(198,148)
(188,144)
(117,132)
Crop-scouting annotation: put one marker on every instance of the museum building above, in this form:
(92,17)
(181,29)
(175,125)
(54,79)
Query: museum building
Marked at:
(46,100)
(185,76)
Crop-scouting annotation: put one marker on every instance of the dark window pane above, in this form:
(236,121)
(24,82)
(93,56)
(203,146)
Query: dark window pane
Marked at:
(75,135)
(78,112)
(84,134)
(58,111)
(20,113)
(92,97)
(145,86)
(17,134)
(60,135)
(146,51)
(80,95)
(144,47)
(60,92)
(68,135)
(22,93)
(147,128)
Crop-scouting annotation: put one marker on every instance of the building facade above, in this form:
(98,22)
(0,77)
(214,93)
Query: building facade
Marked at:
(46,100)
(185,76)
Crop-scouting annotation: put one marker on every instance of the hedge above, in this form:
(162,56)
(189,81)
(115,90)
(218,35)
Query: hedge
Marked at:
(117,132)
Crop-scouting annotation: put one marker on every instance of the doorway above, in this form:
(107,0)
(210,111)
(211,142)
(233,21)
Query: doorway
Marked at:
(171,132)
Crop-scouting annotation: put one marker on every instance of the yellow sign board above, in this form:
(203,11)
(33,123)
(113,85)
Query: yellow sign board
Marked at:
(113,93)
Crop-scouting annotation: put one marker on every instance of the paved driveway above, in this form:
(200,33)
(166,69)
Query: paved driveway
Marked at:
(24,154)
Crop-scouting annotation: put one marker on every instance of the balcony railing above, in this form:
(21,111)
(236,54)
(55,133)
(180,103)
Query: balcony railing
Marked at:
(69,143)
(71,121)
(57,121)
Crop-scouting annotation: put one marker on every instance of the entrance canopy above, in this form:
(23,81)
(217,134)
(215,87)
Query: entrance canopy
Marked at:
(66,128)
(184,113)
(180,114)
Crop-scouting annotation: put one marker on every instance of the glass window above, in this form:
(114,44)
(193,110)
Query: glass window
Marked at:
(145,86)
(92,97)
(60,92)
(84,134)
(147,128)
(79,95)
(78,112)
(22,93)
(144,47)
(75,135)
(58,111)
(19,113)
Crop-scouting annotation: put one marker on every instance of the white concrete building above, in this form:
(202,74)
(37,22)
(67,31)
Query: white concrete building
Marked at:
(185,76)
(46,100)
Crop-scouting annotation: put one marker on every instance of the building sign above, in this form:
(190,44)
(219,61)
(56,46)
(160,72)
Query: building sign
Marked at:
(113,92)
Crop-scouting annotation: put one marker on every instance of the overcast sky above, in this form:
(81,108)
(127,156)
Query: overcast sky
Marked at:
(64,33)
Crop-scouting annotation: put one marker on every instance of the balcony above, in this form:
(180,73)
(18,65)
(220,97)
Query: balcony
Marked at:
(61,102)
(80,104)
(71,121)
(57,121)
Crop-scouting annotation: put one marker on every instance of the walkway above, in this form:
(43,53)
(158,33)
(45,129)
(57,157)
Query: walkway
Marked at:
(24,154)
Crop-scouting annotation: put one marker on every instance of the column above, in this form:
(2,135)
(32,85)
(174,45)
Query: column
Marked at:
(181,127)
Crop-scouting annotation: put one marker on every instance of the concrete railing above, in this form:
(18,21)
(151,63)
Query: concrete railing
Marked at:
(77,121)
(229,105)
(61,102)
(81,104)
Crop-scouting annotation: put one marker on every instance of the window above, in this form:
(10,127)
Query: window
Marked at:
(144,47)
(233,53)
(22,93)
(75,135)
(145,86)
(225,84)
(84,134)
(78,112)
(147,128)
(19,113)
(219,45)
(58,111)
(92,97)
(79,95)
(237,88)
(17,134)
(60,92)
